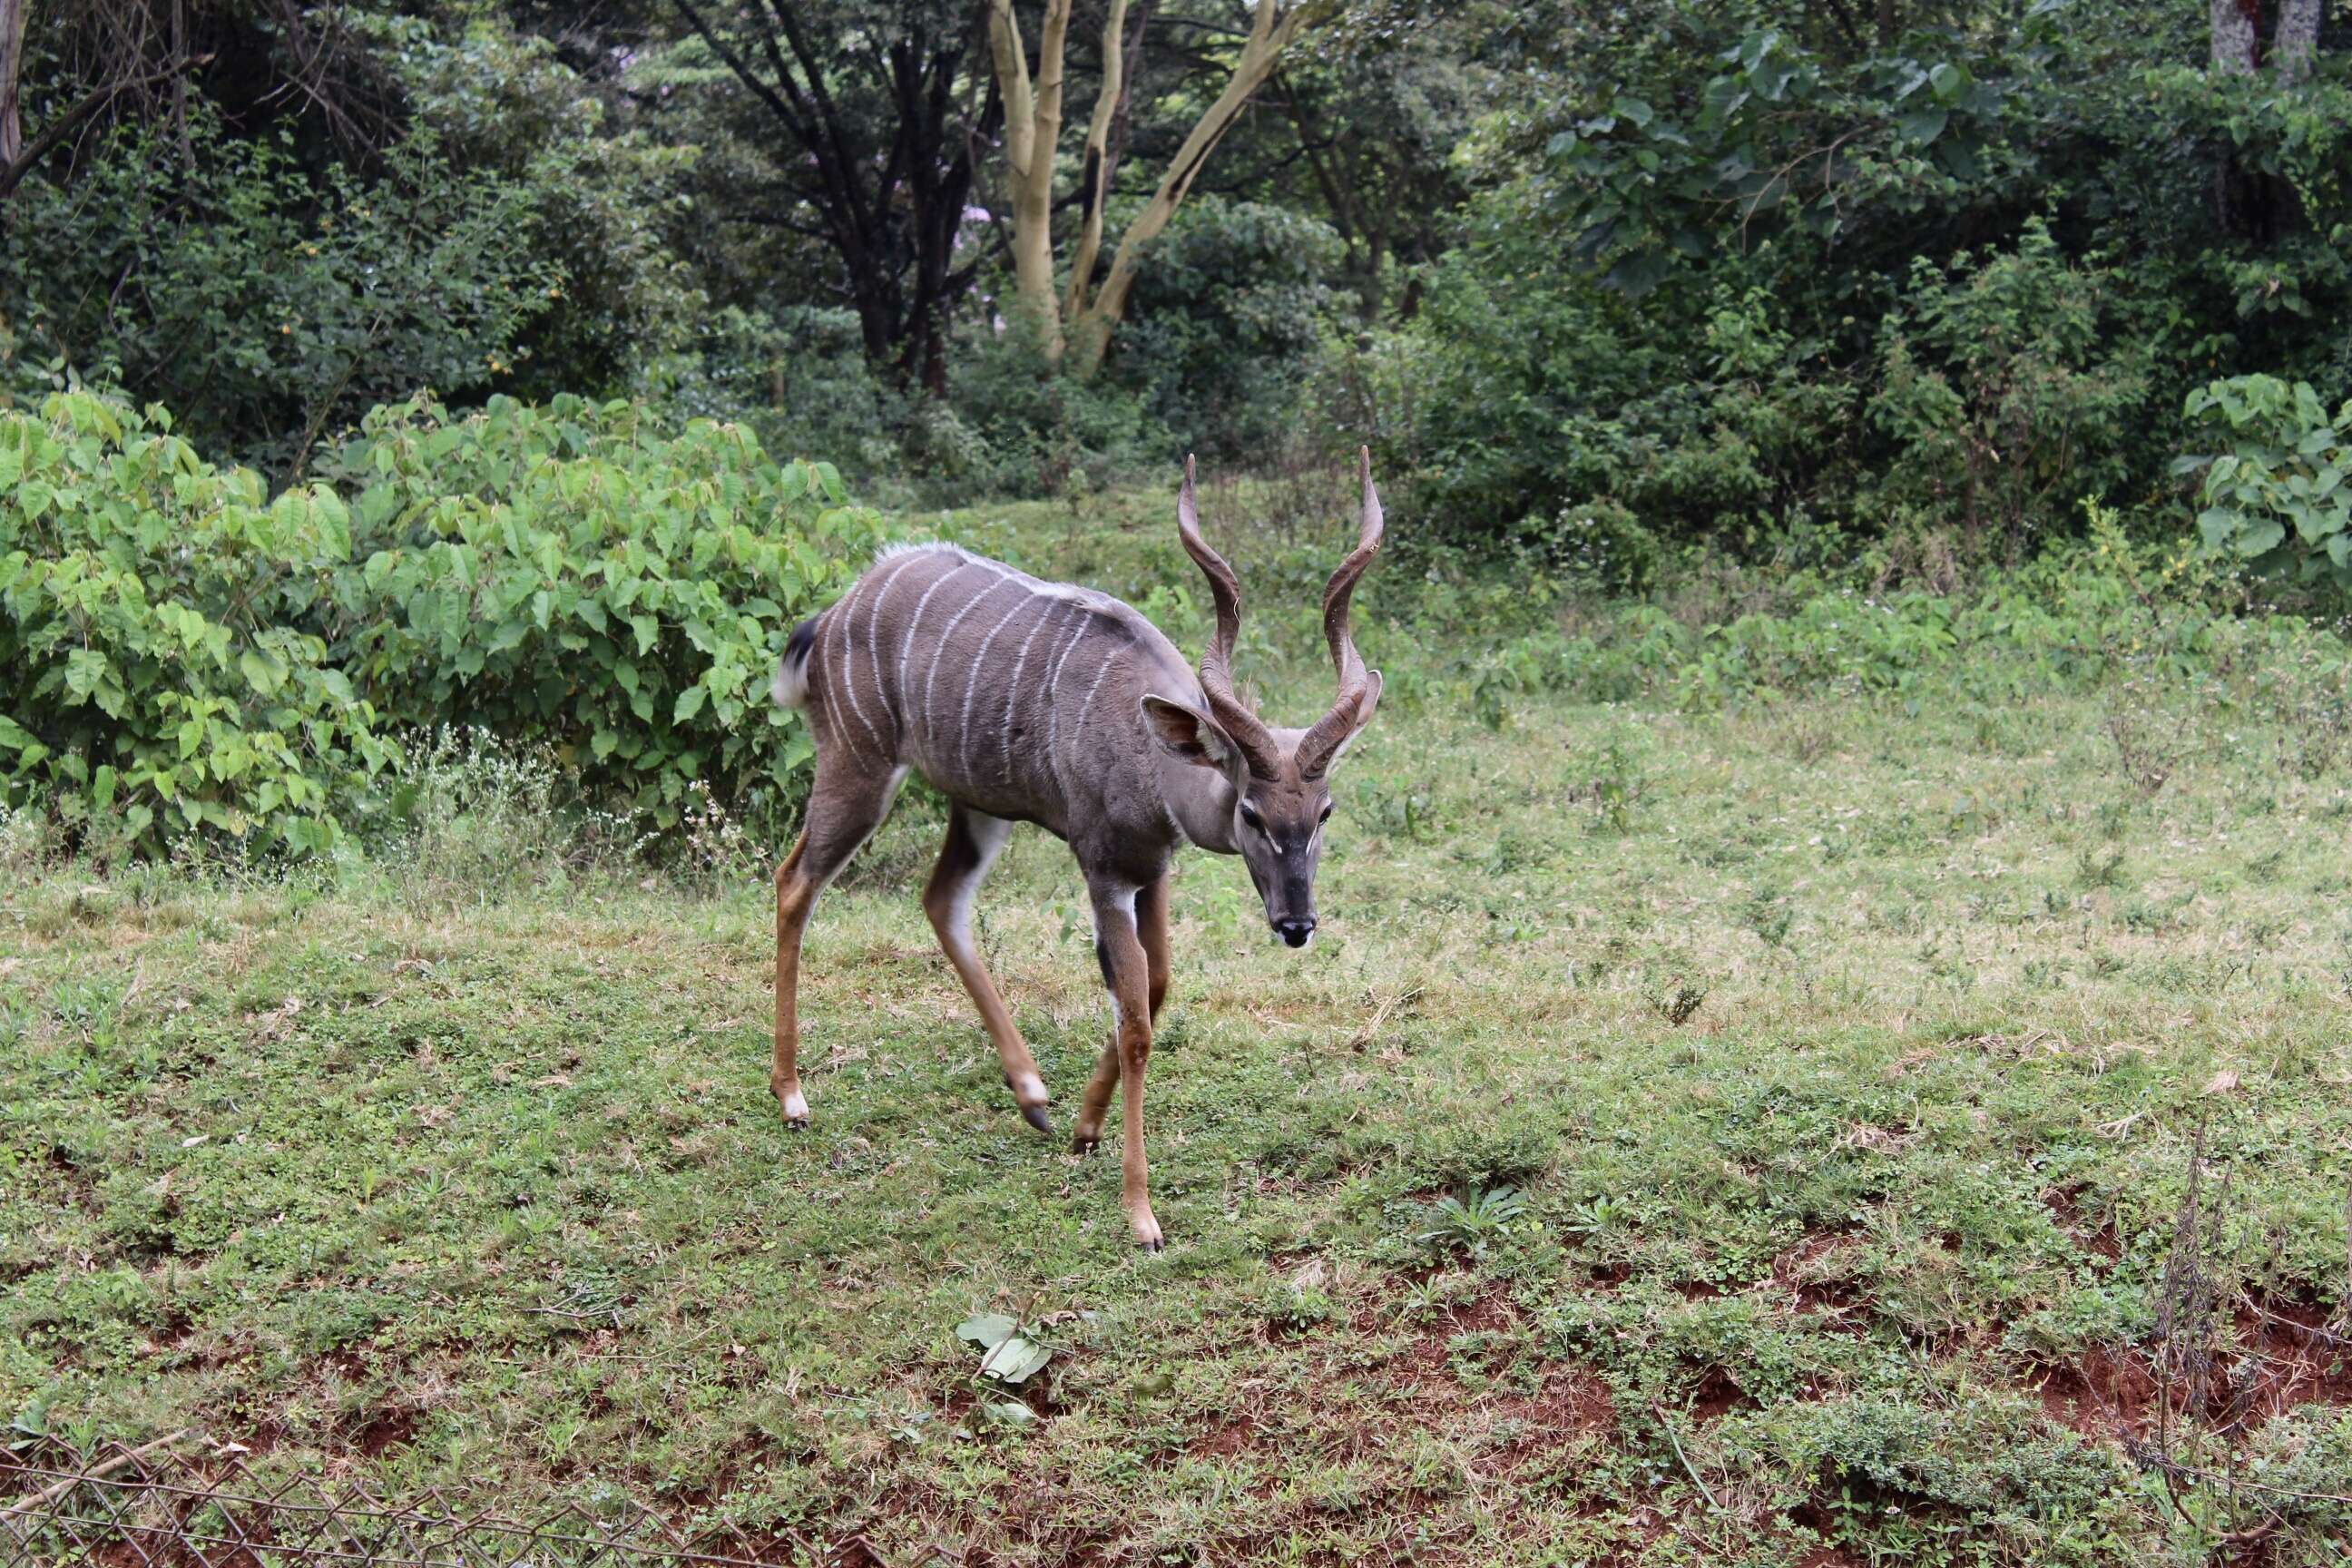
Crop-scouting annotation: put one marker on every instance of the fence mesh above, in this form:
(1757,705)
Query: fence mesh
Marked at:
(171,1505)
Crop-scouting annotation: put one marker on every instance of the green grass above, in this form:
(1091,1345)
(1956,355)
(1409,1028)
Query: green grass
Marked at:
(1845,1058)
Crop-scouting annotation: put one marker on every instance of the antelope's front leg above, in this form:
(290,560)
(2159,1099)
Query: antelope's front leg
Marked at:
(1127,973)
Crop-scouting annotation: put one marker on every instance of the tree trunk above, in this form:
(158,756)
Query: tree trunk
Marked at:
(12,57)
(889,206)
(2237,40)
(1032,118)
(2298,37)
(1032,128)
(1269,35)
(1095,173)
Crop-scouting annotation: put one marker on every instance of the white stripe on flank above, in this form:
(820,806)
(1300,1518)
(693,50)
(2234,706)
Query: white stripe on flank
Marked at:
(958,553)
(906,642)
(889,570)
(932,674)
(1054,706)
(907,638)
(1090,701)
(846,609)
(1012,687)
(971,683)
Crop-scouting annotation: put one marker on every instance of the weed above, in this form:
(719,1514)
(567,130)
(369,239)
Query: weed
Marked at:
(1474,1223)
(1679,1005)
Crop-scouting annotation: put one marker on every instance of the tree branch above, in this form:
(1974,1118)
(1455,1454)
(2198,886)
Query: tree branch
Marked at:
(59,129)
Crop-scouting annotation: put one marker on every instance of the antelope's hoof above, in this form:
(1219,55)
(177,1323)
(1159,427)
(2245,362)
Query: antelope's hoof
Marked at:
(1085,1143)
(1034,1115)
(1154,1245)
(795,1109)
(796,1123)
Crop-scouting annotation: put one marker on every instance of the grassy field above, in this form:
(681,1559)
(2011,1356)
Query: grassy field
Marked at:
(1761,1138)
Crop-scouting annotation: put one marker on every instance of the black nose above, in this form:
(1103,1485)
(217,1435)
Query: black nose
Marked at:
(1294,933)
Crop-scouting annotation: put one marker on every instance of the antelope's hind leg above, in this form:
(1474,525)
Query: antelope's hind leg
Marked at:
(845,807)
(973,844)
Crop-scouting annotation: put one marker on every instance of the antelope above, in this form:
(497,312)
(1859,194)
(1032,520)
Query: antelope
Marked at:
(1028,701)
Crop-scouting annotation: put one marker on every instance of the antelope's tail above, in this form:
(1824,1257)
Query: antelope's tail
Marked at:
(790,687)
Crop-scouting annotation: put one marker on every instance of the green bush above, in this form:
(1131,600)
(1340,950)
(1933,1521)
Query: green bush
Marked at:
(160,672)
(263,304)
(1996,386)
(186,655)
(1225,333)
(568,576)
(2278,498)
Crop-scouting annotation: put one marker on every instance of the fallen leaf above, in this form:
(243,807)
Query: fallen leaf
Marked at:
(2221,1082)
(988,1329)
(1016,1359)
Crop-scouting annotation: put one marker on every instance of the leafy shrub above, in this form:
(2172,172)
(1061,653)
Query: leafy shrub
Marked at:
(185,654)
(2278,498)
(1223,334)
(262,304)
(567,577)
(159,671)
(1016,425)
(1995,387)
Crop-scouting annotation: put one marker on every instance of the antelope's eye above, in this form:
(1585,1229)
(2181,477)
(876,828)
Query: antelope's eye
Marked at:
(1250,816)
(1326,812)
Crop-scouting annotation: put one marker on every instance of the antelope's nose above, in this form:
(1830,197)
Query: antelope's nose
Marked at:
(1294,933)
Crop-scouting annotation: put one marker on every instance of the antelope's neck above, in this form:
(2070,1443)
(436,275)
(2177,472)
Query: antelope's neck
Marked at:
(1201,800)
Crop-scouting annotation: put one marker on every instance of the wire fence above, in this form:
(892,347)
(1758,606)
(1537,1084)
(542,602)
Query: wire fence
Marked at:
(170,1506)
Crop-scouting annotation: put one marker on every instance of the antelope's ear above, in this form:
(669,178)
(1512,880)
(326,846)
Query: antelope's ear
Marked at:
(1371,700)
(1364,708)
(1185,732)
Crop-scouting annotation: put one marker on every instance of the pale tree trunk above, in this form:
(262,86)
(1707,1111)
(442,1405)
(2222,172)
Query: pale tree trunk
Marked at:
(1270,34)
(2298,37)
(2237,46)
(1032,118)
(12,57)
(1033,125)
(1095,171)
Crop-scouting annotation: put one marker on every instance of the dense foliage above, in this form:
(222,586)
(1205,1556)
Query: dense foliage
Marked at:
(189,654)
(1616,285)
(1959,276)
(1855,310)
(2278,496)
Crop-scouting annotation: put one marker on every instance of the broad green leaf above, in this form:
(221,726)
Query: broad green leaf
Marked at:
(265,672)
(1015,1359)
(1921,126)
(987,1330)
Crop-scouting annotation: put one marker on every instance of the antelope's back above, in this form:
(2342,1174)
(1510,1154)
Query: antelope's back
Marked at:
(1015,696)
